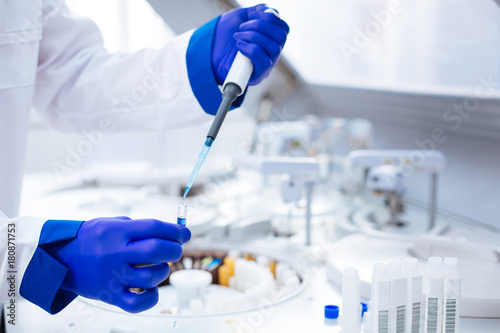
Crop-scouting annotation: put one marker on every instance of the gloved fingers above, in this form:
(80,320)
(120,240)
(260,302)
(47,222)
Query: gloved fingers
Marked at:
(134,303)
(152,251)
(268,29)
(258,8)
(269,46)
(261,62)
(151,228)
(149,276)
(125,218)
(271,18)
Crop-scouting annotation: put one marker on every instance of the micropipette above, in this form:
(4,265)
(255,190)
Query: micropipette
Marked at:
(234,85)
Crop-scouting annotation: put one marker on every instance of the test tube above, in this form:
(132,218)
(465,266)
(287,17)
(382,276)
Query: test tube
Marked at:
(182,213)
(399,294)
(433,287)
(451,299)
(414,296)
(350,321)
(381,298)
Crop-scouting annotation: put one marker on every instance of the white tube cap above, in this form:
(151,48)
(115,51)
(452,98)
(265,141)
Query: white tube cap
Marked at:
(435,267)
(350,272)
(381,271)
(451,267)
(411,266)
(396,269)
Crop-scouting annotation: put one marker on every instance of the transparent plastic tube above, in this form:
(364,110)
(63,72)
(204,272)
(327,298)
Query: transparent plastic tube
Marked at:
(397,314)
(451,299)
(350,320)
(414,296)
(381,298)
(434,295)
(182,213)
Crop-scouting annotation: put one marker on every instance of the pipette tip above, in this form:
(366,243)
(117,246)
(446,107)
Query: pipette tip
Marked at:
(186,192)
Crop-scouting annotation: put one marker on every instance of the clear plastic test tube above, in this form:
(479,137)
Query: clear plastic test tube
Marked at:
(350,320)
(182,213)
(399,282)
(451,299)
(414,297)
(381,298)
(433,286)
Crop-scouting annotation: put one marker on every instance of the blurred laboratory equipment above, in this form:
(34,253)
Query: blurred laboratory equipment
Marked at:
(387,180)
(300,173)
(385,171)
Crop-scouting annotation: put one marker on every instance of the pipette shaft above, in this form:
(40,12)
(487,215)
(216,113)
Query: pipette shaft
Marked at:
(234,85)
(231,92)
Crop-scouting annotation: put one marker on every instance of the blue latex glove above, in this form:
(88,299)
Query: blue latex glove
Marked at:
(259,36)
(102,259)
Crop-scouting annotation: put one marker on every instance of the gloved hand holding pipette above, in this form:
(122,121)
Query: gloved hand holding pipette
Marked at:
(257,34)
(247,45)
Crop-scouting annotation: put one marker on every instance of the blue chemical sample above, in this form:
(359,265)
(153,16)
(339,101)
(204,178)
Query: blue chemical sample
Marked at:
(199,163)
(181,221)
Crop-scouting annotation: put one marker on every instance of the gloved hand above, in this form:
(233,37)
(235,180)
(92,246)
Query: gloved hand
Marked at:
(259,36)
(102,257)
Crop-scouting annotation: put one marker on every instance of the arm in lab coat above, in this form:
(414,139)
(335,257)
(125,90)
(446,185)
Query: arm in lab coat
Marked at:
(31,272)
(80,86)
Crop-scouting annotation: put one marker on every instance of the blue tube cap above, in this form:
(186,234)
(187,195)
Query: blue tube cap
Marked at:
(331,311)
(364,308)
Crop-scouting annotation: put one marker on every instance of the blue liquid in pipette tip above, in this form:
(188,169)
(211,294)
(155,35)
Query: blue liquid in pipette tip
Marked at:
(199,163)
(186,192)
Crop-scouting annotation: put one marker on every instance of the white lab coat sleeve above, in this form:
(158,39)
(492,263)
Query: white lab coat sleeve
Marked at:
(80,86)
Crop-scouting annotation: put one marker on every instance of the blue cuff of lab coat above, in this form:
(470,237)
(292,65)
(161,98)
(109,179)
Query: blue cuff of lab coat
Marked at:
(200,73)
(44,275)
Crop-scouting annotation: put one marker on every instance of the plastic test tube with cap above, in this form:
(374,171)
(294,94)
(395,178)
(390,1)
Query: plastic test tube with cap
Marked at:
(350,321)
(381,298)
(414,296)
(434,295)
(451,299)
(397,314)
(182,213)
